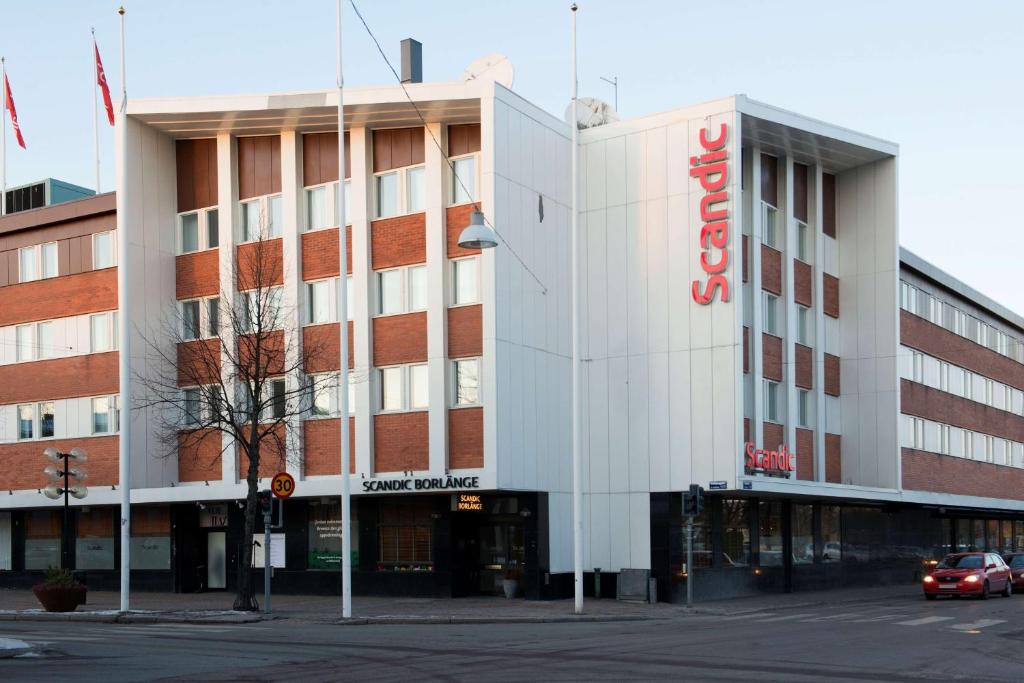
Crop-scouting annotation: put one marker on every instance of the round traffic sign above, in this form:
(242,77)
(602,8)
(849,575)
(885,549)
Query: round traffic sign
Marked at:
(283,485)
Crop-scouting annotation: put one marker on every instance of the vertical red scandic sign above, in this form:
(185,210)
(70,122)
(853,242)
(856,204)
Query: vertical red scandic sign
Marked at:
(712,167)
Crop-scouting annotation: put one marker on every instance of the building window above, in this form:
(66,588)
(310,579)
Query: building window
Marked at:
(319,301)
(805,408)
(190,326)
(770,313)
(189,233)
(102,250)
(464,180)
(735,533)
(467,381)
(324,396)
(105,414)
(213,316)
(45,343)
(46,420)
(102,332)
(769,225)
(263,309)
(277,398)
(405,536)
(317,210)
(262,218)
(42,539)
(401,290)
(831,539)
(26,422)
(25,345)
(404,387)
(192,405)
(48,260)
(804,329)
(770,533)
(415,190)
(771,401)
(803,242)
(27,264)
(38,261)
(212,228)
(387,194)
(466,281)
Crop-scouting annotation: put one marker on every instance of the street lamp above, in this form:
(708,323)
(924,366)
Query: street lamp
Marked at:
(478,235)
(72,472)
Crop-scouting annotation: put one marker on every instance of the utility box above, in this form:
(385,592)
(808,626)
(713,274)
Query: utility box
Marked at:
(633,585)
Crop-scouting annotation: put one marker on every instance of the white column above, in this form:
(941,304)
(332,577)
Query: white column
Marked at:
(757,324)
(789,306)
(488,290)
(816,214)
(437,301)
(227,213)
(362,273)
(293,296)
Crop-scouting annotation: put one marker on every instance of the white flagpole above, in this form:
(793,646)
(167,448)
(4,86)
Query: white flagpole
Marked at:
(3,141)
(124,365)
(577,464)
(95,118)
(346,494)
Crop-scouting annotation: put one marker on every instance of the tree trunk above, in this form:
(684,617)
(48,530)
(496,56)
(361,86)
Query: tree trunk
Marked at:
(244,598)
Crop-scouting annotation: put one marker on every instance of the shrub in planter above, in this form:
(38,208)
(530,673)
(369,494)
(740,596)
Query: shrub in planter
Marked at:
(59,592)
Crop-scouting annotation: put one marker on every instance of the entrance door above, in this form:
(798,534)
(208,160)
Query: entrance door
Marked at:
(502,554)
(216,559)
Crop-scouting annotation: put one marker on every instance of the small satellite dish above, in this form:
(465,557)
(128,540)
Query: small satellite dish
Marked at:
(494,67)
(591,112)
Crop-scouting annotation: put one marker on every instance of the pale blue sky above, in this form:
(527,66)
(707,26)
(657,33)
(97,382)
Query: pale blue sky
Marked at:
(940,78)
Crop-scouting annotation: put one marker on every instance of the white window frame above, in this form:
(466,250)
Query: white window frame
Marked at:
(113,414)
(36,255)
(804,247)
(267,228)
(111,321)
(771,391)
(402,187)
(454,188)
(331,188)
(453,278)
(327,383)
(770,302)
(202,228)
(805,408)
(405,285)
(247,296)
(198,417)
(454,402)
(33,420)
(29,354)
(112,235)
(804,325)
(333,288)
(770,226)
(405,383)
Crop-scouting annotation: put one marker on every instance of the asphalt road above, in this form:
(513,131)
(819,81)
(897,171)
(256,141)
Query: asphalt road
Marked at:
(891,640)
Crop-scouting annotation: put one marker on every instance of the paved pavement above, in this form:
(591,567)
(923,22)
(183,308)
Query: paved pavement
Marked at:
(868,635)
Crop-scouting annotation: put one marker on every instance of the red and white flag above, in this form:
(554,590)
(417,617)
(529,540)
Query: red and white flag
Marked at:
(101,80)
(9,106)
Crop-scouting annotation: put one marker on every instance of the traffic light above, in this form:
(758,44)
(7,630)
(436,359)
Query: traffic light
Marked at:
(266,501)
(693,501)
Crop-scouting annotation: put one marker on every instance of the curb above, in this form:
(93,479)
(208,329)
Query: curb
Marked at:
(584,618)
(87,617)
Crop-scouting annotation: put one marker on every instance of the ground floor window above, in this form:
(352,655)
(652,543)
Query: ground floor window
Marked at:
(94,545)
(151,537)
(735,533)
(803,533)
(5,541)
(405,536)
(769,520)
(325,536)
(831,538)
(42,539)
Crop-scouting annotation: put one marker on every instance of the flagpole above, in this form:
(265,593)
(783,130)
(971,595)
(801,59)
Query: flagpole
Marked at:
(124,366)
(346,494)
(3,141)
(95,118)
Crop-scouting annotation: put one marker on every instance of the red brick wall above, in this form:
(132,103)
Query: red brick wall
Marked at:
(465,331)
(924,471)
(23,462)
(399,241)
(400,442)
(773,436)
(271,349)
(831,374)
(803,275)
(400,339)
(804,366)
(804,454)
(830,295)
(771,354)
(937,341)
(322,347)
(323,446)
(271,263)
(320,253)
(199,456)
(456,219)
(198,274)
(272,457)
(771,269)
(46,380)
(59,297)
(198,362)
(833,459)
(924,401)
(465,438)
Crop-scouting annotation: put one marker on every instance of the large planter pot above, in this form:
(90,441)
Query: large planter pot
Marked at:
(60,598)
(510,586)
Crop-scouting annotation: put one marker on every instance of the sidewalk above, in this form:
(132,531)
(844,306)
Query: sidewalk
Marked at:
(215,607)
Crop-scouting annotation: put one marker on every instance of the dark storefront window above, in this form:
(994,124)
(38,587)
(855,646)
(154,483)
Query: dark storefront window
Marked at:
(736,533)
(979,535)
(803,534)
(770,533)
(42,539)
(94,547)
(1006,536)
(992,541)
(702,549)
(325,536)
(963,534)
(864,536)
(1018,533)
(831,540)
(151,537)
(405,534)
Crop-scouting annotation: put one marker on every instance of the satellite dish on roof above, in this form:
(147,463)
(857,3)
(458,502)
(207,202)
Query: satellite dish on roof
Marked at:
(494,67)
(591,112)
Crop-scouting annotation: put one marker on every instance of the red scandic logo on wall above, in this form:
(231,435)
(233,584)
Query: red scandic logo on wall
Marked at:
(763,460)
(712,167)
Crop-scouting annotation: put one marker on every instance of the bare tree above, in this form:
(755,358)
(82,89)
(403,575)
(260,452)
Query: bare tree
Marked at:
(242,375)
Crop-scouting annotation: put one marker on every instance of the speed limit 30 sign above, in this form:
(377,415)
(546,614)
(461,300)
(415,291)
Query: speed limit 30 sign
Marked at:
(283,485)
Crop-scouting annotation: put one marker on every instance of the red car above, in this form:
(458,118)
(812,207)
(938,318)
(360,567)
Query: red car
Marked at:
(969,574)
(1016,562)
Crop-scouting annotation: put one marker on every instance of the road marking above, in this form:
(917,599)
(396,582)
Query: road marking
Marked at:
(836,617)
(981,623)
(881,617)
(748,615)
(923,620)
(785,617)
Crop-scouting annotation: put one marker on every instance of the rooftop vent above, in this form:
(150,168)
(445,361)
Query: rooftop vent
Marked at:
(412,61)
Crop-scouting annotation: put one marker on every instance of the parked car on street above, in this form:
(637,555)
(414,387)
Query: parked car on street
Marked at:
(1016,563)
(977,574)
